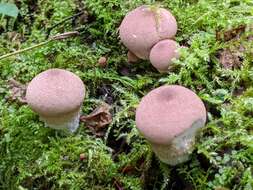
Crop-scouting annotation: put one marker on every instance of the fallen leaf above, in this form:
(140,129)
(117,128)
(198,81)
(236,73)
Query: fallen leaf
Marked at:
(17,91)
(15,38)
(98,119)
(230,34)
(9,9)
(232,56)
(239,91)
(229,59)
(127,169)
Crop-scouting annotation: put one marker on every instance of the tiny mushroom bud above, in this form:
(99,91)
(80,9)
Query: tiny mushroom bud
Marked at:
(82,156)
(57,96)
(102,61)
(144,26)
(162,54)
(169,118)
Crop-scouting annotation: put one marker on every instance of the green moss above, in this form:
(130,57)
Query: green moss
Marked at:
(35,157)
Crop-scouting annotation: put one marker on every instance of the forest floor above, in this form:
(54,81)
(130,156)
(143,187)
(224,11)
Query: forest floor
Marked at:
(216,63)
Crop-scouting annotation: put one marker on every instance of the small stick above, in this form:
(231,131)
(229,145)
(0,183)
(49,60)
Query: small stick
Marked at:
(23,50)
(62,21)
(53,38)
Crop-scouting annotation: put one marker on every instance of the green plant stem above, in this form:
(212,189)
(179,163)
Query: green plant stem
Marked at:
(2,18)
(24,50)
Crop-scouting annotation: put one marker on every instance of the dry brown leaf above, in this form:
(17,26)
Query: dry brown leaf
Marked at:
(232,57)
(98,119)
(17,90)
(230,34)
(229,59)
(128,169)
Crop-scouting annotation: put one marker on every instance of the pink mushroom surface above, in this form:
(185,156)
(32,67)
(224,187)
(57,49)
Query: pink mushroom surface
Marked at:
(143,27)
(162,53)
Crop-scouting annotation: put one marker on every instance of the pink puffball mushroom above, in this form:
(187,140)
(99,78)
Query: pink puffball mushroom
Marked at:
(162,53)
(57,96)
(169,118)
(102,61)
(145,26)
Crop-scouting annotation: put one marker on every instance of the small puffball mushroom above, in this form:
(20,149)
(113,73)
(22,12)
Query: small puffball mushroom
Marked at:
(144,26)
(162,53)
(102,61)
(169,118)
(57,96)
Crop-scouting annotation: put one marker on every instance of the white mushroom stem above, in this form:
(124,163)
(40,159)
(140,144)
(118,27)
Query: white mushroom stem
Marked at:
(68,121)
(180,148)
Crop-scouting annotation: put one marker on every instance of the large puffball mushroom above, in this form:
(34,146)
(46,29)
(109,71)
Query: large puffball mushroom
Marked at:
(144,26)
(169,117)
(162,53)
(57,96)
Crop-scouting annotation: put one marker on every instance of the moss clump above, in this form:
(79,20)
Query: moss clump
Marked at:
(34,157)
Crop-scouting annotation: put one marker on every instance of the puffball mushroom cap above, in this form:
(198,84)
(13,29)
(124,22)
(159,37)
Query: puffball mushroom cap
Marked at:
(56,95)
(168,111)
(168,117)
(162,53)
(143,27)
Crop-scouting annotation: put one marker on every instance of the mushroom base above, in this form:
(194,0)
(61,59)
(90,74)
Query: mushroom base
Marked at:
(171,155)
(68,122)
(179,150)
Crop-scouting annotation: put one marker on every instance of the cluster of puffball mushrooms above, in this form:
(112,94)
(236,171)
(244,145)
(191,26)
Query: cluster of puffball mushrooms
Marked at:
(168,117)
(148,34)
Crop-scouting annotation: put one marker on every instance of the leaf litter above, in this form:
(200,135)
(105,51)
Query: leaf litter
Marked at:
(232,57)
(17,91)
(98,119)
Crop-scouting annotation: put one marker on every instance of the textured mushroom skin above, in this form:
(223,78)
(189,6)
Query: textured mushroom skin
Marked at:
(57,95)
(142,28)
(167,111)
(168,117)
(162,53)
(179,150)
(55,92)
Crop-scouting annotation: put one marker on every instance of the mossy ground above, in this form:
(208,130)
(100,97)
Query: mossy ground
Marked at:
(34,157)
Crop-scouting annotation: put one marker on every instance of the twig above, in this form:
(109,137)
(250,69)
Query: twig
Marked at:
(65,35)
(53,38)
(26,49)
(64,20)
